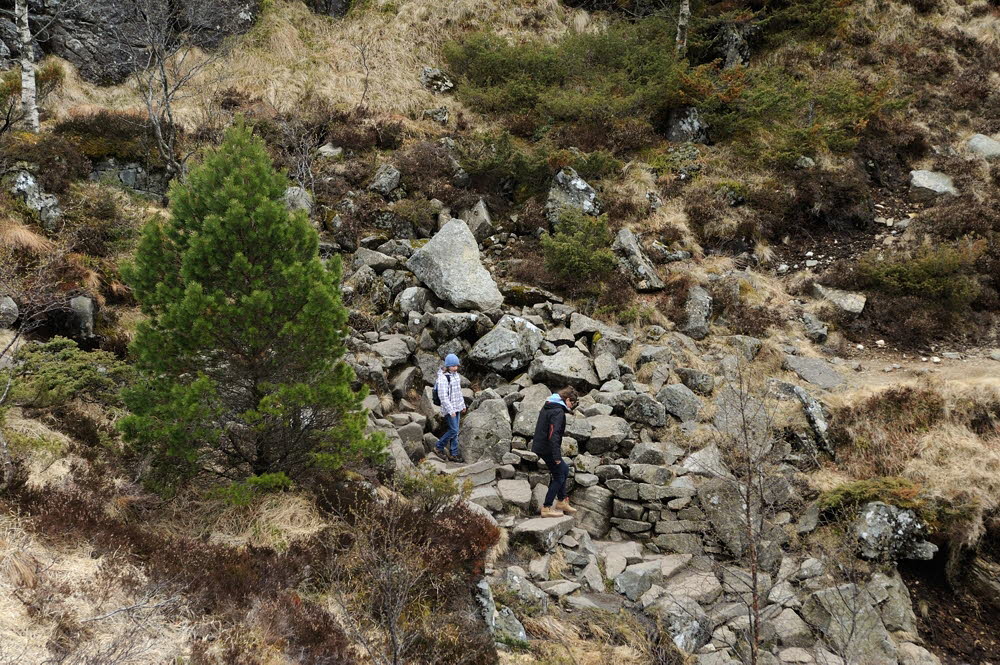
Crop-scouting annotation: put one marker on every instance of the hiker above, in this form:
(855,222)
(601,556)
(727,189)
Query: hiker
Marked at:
(449,395)
(547,444)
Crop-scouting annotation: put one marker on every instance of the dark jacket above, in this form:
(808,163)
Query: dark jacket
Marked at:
(549,430)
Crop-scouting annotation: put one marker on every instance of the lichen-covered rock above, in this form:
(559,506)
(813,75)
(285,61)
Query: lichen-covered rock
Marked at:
(685,621)
(697,310)
(570,191)
(645,410)
(8,311)
(888,533)
(847,301)
(567,367)
(984,146)
(486,432)
(679,401)
(844,615)
(814,370)
(387,178)
(928,185)
(606,433)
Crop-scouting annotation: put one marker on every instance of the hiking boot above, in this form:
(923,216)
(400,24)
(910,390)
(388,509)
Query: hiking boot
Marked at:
(456,458)
(441,453)
(564,507)
(549,511)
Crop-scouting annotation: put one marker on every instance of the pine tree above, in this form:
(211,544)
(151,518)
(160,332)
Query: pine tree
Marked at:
(241,357)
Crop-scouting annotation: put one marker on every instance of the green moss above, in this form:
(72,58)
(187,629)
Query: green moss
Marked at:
(893,490)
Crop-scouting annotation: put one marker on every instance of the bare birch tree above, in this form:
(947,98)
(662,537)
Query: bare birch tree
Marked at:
(683,18)
(29,95)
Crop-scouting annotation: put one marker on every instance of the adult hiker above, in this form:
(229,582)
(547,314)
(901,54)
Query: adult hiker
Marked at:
(448,388)
(547,444)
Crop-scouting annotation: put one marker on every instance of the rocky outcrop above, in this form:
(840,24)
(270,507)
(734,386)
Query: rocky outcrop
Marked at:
(509,347)
(634,263)
(847,301)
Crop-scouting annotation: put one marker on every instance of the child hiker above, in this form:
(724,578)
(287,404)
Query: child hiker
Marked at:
(449,392)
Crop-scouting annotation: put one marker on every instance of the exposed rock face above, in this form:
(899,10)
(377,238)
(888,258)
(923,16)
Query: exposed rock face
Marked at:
(509,347)
(449,265)
(84,311)
(848,301)
(889,533)
(435,80)
(929,185)
(570,191)
(485,433)
(386,179)
(844,615)
(634,263)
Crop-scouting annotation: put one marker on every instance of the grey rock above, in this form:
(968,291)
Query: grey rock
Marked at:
(928,185)
(507,626)
(707,461)
(893,602)
(645,410)
(723,503)
(594,506)
(697,311)
(450,266)
(509,347)
(488,497)
(847,301)
(606,366)
(83,310)
(516,492)
(439,115)
(696,380)
(386,179)
(748,347)
(815,371)
(298,198)
(516,580)
(8,311)
(685,621)
(699,585)
(330,151)
(569,191)
(377,261)
(655,452)
(913,654)
(567,367)
(679,401)
(606,433)
(984,146)
(634,263)
(653,474)
(486,432)
(542,533)
(412,299)
(686,126)
(479,221)
(844,615)
(394,351)
(24,186)
(816,330)
(888,533)
(435,80)
(636,579)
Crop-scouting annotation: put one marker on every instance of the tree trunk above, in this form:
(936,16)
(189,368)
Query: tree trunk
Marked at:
(683,16)
(29,93)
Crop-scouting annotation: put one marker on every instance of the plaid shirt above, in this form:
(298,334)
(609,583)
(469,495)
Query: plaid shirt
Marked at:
(450,392)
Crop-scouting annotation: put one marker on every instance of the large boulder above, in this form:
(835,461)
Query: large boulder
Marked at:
(386,179)
(888,533)
(449,265)
(570,192)
(486,432)
(567,367)
(697,311)
(479,221)
(686,126)
(606,433)
(509,347)
(83,312)
(846,618)
(645,410)
(928,185)
(634,263)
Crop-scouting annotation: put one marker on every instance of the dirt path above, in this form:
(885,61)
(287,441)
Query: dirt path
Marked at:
(973,370)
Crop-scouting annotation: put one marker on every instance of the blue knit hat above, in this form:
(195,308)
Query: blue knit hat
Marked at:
(451,360)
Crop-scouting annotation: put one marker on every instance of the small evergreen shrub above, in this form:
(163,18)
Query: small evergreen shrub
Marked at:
(940,275)
(50,374)
(580,248)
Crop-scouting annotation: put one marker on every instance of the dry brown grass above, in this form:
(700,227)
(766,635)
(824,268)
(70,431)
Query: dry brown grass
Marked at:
(17,237)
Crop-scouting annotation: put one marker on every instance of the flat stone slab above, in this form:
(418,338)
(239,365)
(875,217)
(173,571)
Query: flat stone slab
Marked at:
(542,533)
(815,371)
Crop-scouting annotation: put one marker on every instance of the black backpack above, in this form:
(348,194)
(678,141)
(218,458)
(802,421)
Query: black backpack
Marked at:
(435,398)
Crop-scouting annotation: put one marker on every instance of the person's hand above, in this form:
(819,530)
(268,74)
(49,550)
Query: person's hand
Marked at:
(464,410)
(558,462)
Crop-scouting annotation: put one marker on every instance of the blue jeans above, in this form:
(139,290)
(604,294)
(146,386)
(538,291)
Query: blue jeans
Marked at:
(450,436)
(557,486)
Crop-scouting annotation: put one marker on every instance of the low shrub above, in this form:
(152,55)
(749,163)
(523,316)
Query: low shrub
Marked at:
(123,135)
(941,275)
(50,374)
(580,249)
(847,498)
(60,162)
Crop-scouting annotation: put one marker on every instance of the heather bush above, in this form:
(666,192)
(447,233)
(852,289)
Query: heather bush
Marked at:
(60,162)
(124,135)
